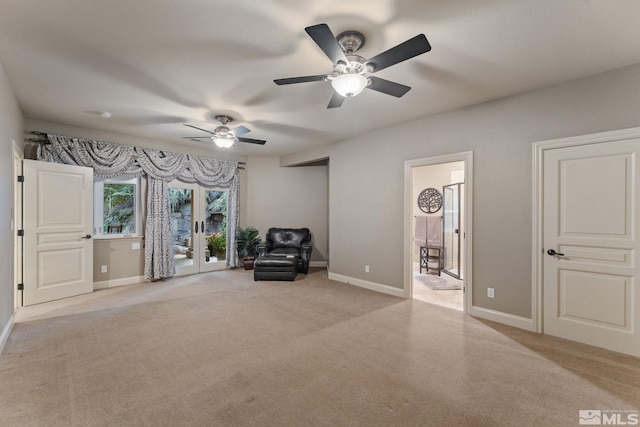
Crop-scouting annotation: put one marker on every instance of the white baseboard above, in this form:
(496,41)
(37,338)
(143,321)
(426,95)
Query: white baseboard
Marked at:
(5,333)
(385,289)
(322,264)
(504,318)
(117,282)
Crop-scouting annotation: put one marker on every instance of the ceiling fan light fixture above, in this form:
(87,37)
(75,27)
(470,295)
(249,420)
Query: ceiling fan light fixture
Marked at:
(349,85)
(223,142)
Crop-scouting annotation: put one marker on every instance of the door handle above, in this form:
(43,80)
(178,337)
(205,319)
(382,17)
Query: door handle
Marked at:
(202,226)
(552,253)
(88,236)
(196,228)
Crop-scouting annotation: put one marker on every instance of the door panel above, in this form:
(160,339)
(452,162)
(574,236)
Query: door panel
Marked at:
(58,217)
(182,199)
(451,229)
(591,212)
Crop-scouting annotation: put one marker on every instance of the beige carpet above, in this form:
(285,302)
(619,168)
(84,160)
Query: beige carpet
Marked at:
(219,349)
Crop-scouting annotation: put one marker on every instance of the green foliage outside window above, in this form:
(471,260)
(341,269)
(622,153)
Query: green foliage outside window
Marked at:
(119,206)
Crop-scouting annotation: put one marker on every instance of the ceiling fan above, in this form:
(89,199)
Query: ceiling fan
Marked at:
(352,73)
(224,137)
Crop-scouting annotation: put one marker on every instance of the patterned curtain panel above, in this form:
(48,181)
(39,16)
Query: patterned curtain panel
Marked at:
(113,160)
(158,251)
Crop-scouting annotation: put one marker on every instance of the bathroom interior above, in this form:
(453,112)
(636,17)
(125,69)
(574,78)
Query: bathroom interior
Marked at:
(438,237)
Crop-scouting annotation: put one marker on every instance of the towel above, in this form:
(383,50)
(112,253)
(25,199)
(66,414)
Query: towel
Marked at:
(434,231)
(420,230)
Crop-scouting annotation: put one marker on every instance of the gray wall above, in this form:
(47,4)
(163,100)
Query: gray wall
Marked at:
(289,197)
(118,255)
(11,128)
(366,200)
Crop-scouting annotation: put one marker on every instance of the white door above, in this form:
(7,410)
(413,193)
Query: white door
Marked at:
(58,221)
(592,220)
(195,215)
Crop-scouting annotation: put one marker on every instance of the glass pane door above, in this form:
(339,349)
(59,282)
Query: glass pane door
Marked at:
(451,229)
(213,219)
(181,201)
(198,226)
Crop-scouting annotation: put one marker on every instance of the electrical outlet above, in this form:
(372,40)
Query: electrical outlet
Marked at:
(366,268)
(104,268)
(491,293)
(135,246)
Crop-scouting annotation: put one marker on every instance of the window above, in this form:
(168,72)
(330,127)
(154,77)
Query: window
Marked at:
(116,207)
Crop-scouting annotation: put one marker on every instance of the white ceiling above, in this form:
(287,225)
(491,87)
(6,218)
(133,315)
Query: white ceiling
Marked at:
(156,64)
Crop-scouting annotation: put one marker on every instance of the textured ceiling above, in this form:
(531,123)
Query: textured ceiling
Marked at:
(157,64)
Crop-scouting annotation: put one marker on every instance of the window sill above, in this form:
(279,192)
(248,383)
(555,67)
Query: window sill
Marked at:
(117,236)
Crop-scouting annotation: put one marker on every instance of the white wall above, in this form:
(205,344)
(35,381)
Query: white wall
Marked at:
(292,196)
(11,128)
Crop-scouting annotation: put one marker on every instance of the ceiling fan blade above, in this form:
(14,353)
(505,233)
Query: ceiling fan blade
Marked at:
(240,130)
(406,50)
(196,137)
(336,100)
(388,87)
(204,130)
(304,79)
(252,141)
(324,38)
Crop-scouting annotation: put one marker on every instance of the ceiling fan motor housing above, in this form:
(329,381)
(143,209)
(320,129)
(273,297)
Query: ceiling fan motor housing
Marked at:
(350,41)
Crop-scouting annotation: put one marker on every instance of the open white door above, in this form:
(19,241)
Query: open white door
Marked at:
(58,221)
(591,219)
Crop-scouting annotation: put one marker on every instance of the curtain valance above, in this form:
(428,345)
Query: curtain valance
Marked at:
(110,160)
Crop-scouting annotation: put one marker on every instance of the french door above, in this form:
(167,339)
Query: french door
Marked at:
(196,213)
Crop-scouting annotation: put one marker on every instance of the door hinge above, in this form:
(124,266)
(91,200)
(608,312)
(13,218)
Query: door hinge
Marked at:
(20,233)
(21,286)
(464,289)
(20,178)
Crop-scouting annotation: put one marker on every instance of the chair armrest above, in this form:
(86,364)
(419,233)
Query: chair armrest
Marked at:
(305,248)
(261,248)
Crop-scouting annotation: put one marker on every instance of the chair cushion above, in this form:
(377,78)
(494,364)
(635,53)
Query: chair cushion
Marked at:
(285,251)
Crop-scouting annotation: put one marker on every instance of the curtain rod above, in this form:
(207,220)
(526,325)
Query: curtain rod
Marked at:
(46,141)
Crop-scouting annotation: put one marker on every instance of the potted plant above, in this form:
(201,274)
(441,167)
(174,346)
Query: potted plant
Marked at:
(217,243)
(248,239)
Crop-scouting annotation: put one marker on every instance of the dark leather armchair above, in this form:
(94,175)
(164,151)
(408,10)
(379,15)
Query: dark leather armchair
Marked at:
(288,241)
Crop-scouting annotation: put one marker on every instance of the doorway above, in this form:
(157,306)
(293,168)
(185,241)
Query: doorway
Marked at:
(438,226)
(198,227)
(16,224)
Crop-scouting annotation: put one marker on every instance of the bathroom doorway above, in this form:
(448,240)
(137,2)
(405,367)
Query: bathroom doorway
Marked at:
(437,201)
